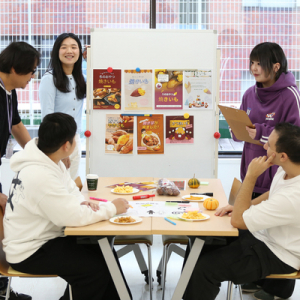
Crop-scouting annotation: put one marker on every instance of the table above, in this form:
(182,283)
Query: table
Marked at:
(216,226)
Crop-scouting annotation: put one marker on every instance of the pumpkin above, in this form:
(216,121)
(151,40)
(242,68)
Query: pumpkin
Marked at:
(194,183)
(211,203)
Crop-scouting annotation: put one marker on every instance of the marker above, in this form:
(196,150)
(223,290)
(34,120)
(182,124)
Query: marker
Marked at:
(130,206)
(170,221)
(98,199)
(179,201)
(142,197)
(205,194)
(138,115)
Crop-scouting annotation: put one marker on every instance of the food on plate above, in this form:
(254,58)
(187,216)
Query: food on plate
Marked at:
(138,92)
(123,189)
(211,203)
(112,98)
(193,215)
(194,183)
(124,220)
(193,198)
(100,93)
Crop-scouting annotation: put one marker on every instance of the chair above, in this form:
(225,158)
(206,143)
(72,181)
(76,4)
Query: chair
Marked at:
(131,243)
(7,270)
(234,190)
(78,183)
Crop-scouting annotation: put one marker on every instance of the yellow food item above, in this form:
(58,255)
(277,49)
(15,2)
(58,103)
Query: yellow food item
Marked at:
(180,77)
(123,139)
(194,198)
(124,220)
(194,183)
(123,189)
(141,91)
(211,203)
(193,215)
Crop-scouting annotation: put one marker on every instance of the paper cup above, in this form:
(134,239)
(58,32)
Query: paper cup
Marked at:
(92,182)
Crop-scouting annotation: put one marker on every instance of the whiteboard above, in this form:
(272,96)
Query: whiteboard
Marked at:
(154,49)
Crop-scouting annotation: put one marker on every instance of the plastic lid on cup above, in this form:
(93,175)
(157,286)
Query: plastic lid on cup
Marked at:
(92,176)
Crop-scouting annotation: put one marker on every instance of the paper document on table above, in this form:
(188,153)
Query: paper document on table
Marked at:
(238,120)
(160,208)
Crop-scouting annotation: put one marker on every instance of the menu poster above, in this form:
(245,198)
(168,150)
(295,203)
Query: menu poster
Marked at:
(179,130)
(106,89)
(138,89)
(118,134)
(197,89)
(168,89)
(150,134)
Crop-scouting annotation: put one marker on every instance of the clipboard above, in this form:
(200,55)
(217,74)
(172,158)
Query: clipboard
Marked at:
(238,120)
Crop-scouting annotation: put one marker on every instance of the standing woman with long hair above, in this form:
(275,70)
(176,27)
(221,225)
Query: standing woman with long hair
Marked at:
(63,88)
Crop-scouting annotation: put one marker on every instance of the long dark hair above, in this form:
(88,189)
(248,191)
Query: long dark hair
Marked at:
(60,79)
(268,54)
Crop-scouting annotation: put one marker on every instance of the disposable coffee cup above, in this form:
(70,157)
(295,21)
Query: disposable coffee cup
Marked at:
(92,182)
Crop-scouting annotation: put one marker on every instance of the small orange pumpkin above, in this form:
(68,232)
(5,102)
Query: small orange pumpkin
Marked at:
(211,203)
(194,183)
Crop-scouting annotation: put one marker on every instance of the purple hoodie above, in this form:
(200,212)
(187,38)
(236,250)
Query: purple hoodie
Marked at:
(266,107)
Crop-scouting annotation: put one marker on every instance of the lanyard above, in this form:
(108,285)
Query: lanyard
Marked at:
(9,108)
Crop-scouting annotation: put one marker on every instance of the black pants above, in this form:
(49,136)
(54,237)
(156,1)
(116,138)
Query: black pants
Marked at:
(3,280)
(244,260)
(83,266)
(282,288)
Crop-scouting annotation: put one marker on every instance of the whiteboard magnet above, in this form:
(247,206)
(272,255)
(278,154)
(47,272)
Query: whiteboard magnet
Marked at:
(87,133)
(109,69)
(138,70)
(217,135)
(186,115)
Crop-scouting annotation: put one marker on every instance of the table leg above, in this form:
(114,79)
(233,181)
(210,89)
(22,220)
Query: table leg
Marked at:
(188,269)
(113,269)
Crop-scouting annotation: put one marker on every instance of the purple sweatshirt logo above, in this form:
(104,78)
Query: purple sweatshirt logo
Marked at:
(270,116)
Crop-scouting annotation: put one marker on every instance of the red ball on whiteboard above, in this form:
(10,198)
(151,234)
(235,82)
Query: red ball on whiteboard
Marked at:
(217,135)
(87,133)
(109,70)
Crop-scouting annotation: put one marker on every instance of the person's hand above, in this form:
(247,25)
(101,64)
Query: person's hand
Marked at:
(84,53)
(226,210)
(121,205)
(92,205)
(3,200)
(259,165)
(67,162)
(251,131)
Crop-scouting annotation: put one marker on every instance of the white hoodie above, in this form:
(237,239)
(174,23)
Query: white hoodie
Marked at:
(42,200)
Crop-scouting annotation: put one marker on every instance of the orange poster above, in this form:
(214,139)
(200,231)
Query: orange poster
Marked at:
(150,134)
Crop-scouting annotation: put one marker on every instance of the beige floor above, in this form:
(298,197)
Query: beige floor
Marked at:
(52,288)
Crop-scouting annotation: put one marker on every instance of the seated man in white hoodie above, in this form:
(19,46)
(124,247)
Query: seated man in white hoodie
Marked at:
(43,200)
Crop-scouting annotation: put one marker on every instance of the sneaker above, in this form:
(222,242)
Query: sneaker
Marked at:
(15,296)
(262,295)
(250,287)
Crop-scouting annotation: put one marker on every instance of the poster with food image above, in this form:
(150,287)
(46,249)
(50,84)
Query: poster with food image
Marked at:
(150,134)
(106,89)
(179,130)
(168,89)
(119,134)
(138,90)
(197,91)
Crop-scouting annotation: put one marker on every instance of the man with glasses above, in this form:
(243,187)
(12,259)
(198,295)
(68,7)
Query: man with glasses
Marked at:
(18,64)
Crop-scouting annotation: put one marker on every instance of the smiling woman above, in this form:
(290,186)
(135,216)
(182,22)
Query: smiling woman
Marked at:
(63,88)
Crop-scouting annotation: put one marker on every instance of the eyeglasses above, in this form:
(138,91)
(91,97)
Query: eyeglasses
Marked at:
(33,71)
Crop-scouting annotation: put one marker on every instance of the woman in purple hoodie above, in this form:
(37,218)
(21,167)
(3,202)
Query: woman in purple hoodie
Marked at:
(274,98)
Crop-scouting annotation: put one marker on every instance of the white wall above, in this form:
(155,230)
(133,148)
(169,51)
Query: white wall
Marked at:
(227,170)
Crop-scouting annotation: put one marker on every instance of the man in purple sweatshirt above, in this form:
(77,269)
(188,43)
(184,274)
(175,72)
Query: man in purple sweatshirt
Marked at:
(274,98)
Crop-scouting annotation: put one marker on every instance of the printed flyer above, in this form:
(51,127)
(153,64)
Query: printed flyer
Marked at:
(150,134)
(168,89)
(119,134)
(197,89)
(138,90)
(106,89)
(179,130)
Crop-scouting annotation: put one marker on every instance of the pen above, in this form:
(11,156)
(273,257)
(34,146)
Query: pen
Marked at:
(170,221)
(130,206)
(205,194)
(98,199)
(143,115)
(179,201)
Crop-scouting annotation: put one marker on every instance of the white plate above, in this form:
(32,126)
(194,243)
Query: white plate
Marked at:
(133,192)
(137,220)
(191,220)
(187,196)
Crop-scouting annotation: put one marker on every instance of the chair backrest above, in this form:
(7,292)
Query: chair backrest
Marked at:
(3,263)
(234,190)
(78,183)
